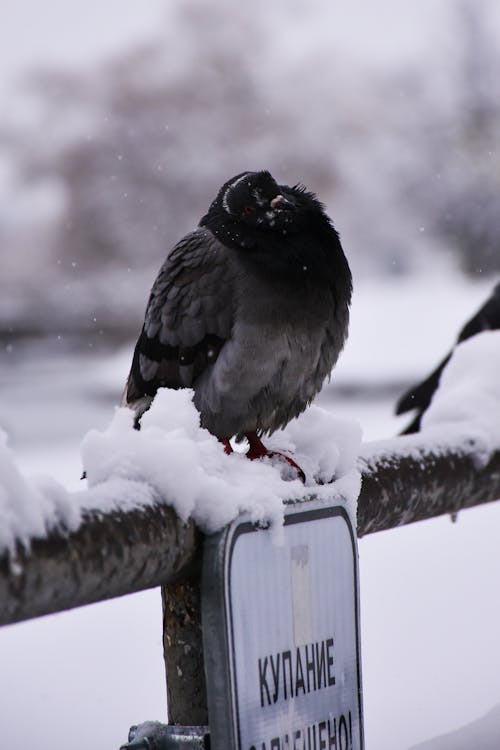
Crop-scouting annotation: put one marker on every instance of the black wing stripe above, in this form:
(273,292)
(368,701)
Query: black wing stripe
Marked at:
(157,365)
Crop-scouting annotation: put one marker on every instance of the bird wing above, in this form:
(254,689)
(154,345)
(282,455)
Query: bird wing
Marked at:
(188,318)
(486,319)
(419,397)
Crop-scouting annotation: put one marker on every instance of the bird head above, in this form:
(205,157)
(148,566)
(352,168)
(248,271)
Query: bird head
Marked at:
(252,204)
(255,198)
(281,229)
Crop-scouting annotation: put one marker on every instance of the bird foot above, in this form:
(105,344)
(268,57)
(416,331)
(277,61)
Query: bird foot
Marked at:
(300,473)
(258,450)
(228,448)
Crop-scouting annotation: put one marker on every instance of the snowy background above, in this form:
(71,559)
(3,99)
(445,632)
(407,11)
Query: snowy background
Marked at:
(117,130)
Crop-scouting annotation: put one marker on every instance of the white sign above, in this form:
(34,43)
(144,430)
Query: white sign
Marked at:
(291,637)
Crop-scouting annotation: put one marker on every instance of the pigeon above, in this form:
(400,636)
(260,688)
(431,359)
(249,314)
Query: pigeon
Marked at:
(250,310)
(419,397)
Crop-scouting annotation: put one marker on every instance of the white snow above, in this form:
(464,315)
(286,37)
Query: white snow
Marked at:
(464,414)
(395,336)
(172,459)
(483,734)
(29,508)
(468,397)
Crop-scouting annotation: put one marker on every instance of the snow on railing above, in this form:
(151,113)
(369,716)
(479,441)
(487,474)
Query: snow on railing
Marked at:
(116,552)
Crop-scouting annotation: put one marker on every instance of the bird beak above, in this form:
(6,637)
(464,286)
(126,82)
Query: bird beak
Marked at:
(281,203)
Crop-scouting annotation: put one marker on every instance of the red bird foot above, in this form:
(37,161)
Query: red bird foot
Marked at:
(228,448)
(258,450)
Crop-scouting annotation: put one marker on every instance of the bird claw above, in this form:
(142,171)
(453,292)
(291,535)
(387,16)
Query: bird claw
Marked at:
(258,450)
(300,473)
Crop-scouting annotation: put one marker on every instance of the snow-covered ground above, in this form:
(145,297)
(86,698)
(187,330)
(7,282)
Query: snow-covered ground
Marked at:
(430,617)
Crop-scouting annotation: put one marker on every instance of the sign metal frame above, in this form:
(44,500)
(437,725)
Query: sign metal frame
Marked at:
(217,619)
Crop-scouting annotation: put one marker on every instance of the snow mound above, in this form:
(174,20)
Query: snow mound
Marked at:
(464,414)
(173,459)
(468,397)
(482,733)
(30,508)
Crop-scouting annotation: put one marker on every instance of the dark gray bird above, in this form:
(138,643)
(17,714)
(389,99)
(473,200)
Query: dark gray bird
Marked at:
(419,397)
(250,310)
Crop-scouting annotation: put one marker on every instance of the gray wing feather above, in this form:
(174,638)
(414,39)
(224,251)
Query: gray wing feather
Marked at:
(189,316)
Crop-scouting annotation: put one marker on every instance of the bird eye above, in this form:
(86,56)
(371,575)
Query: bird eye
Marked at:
(248,210)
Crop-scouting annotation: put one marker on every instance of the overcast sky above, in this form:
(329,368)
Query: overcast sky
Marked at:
(70,32)
(78,32)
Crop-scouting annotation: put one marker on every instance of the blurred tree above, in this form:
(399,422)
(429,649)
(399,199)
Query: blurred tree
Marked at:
(140,146)
(130,153)
(467,208)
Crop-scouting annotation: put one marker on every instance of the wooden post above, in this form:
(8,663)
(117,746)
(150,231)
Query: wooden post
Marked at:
(183,650)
